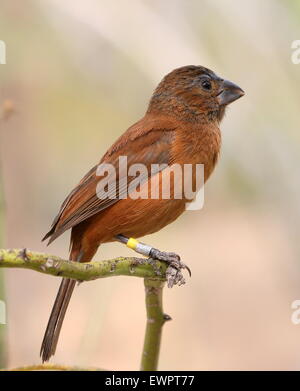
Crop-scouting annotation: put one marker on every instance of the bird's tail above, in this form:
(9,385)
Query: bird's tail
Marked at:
(63,297)
(56,318)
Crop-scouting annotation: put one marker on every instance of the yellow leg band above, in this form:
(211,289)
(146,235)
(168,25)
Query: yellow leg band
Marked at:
(139,247)
(132,243)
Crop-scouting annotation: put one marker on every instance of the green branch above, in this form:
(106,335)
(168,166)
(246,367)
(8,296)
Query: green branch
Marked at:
(155,321)
(50,264)
(154,273)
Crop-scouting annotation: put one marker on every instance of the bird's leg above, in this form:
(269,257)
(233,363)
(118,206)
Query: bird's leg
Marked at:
(173,273)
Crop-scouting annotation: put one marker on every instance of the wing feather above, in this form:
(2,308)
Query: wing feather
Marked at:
(147,142)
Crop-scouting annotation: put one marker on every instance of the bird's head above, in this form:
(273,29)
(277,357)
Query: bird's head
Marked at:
(194,93)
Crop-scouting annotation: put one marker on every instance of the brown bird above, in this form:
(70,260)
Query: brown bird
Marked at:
(181,126)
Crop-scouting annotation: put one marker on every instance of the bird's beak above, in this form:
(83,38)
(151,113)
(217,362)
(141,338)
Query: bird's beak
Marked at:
(229,92)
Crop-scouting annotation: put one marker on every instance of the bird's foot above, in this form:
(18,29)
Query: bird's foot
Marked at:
(174,271)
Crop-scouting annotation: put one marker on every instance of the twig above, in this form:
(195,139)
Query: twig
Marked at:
(155,321)
(152,271)
(50,264)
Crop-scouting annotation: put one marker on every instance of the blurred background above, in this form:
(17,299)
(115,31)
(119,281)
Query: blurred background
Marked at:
(79,74)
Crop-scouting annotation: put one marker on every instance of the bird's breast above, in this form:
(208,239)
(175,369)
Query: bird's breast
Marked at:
(198,145)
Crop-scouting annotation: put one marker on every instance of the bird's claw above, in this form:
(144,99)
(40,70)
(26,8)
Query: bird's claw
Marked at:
(175,266)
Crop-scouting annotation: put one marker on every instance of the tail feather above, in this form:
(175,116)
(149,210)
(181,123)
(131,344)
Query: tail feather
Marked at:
(56,318)
(63,296)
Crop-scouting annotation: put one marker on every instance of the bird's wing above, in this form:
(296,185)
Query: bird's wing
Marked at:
(147,142)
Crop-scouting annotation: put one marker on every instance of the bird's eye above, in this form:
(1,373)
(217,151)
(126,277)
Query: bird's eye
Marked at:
(206,84)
